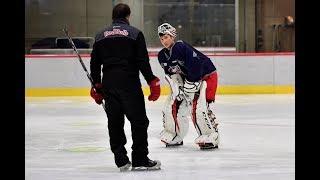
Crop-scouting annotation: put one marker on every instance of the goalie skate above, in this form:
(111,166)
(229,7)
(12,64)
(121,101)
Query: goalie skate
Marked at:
(171,140)
(174,144)
(206,146)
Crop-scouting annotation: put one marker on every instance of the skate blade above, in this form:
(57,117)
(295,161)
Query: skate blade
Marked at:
(209,148)
(174,145)
(145,168)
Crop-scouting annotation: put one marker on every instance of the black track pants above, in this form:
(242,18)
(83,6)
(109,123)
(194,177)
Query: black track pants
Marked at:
(129,103)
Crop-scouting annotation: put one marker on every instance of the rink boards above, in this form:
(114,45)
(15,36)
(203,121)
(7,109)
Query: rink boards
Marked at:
(238,73)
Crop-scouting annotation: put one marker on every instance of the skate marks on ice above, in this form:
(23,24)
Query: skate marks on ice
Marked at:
(67,138)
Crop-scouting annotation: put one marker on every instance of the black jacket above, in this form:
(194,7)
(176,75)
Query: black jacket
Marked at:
(121,50)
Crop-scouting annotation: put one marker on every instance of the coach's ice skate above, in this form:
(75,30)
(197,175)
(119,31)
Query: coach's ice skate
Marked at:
(149,165)
(125,167)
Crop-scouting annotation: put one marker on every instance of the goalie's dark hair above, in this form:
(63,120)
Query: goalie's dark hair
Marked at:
(121,10)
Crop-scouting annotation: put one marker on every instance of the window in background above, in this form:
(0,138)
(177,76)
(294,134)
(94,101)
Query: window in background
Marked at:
(45,19)
(202,23)
(205,23)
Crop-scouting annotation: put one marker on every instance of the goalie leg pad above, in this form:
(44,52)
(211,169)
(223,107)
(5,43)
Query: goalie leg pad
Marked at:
(205,126)
(175,121)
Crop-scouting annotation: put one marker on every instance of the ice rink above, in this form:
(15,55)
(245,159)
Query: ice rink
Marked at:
(67,138)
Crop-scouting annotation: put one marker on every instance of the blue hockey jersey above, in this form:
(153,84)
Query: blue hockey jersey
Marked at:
(185,60)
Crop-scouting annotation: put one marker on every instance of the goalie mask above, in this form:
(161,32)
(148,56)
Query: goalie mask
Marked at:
(166,28)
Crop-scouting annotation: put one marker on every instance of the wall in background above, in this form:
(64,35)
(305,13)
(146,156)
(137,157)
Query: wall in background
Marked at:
(241,71)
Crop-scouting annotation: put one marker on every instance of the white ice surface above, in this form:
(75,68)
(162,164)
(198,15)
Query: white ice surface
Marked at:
(67,138)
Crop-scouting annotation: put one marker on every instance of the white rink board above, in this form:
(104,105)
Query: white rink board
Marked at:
(232,70)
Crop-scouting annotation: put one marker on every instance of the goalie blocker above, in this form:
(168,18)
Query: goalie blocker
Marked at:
(186,102)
